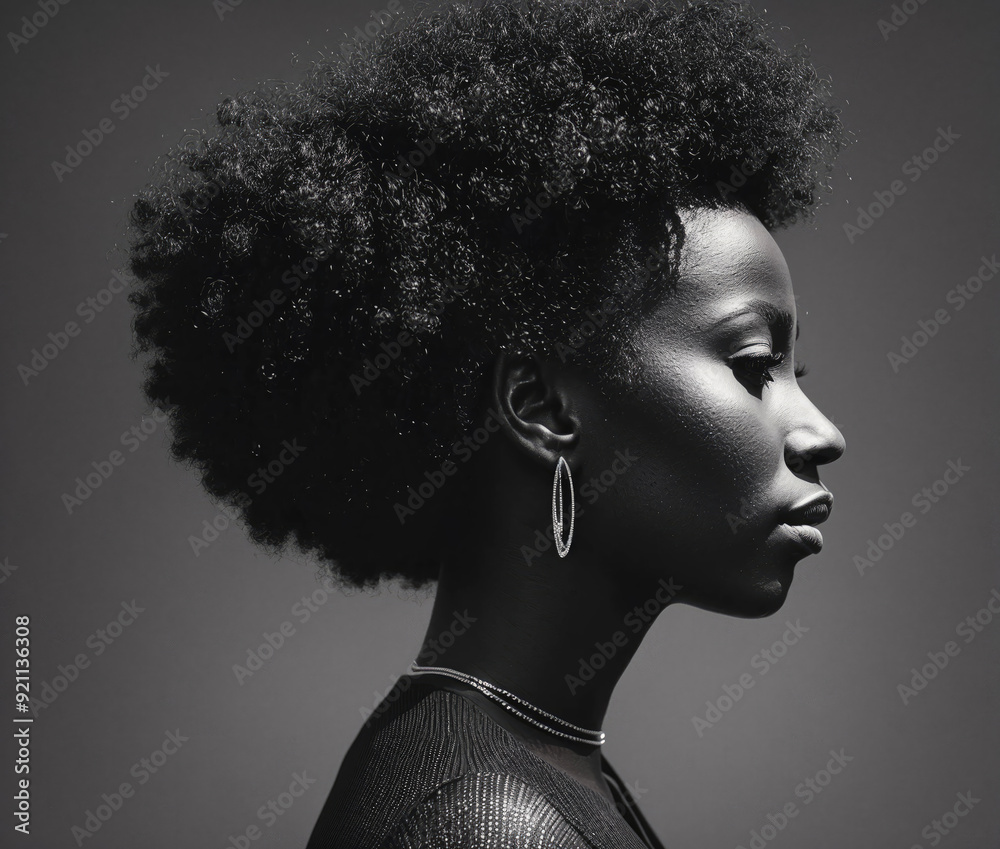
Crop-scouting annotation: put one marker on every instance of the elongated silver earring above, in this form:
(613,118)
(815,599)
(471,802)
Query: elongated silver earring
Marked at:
(557,508)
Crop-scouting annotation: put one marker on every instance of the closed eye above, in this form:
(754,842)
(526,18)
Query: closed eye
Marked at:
(756,367)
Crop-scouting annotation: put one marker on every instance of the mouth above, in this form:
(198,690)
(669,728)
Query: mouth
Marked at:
(800,521)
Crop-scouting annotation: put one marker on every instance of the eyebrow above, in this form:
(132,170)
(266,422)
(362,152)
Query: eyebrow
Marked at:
(778,318)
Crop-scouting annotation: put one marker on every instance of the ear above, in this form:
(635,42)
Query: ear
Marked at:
(535,407)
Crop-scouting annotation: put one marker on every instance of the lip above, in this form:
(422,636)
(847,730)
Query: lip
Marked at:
(801,520)
(805,535)
(813,511)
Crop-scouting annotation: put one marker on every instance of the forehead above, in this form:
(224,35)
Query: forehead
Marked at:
(729,261)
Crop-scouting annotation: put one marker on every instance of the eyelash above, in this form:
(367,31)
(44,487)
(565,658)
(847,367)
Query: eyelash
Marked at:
(758,366)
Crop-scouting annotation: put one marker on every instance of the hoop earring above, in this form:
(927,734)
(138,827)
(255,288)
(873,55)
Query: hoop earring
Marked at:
(562,548)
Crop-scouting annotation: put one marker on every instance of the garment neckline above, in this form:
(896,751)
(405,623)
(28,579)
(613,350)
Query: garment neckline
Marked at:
(623,805)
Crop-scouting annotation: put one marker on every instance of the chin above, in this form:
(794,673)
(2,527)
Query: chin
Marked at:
(764,597)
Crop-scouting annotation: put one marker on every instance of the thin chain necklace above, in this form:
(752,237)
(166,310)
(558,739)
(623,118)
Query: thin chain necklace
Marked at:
(501,697)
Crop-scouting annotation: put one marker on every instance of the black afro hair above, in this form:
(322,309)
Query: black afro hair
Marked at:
(323,281)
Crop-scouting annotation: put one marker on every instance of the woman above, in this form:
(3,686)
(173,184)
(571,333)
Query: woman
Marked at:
(505,281)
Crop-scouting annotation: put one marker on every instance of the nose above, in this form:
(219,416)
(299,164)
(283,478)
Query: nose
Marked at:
(814,439)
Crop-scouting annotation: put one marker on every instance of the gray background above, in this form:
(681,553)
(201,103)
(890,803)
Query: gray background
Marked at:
(172,669)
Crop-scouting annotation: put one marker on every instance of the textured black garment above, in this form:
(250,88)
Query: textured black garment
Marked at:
(431,770)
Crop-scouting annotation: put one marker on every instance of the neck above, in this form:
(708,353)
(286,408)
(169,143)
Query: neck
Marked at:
(556,632)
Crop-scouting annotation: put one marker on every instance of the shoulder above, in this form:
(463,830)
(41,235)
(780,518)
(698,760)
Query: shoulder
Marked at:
(485,810)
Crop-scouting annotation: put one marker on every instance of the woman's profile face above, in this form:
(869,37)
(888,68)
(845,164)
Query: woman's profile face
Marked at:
(728,448)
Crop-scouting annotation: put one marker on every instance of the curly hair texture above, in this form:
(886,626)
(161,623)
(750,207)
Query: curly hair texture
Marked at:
(324,281)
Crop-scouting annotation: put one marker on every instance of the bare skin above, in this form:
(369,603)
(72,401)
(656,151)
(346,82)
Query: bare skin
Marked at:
(702,437)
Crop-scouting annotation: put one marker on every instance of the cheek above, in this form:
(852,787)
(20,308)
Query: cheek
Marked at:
(707,429)
(703,452)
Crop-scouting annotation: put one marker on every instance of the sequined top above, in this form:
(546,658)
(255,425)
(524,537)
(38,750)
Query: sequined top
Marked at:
(431,770)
